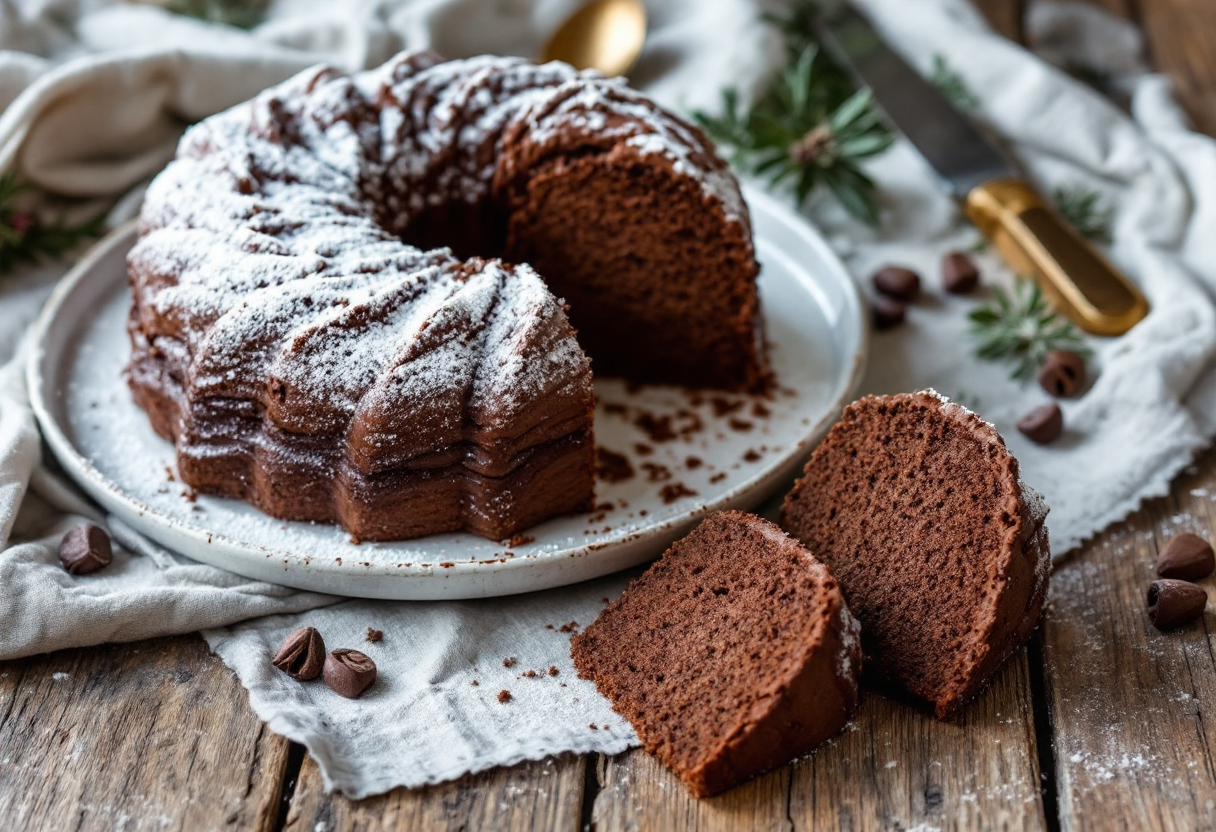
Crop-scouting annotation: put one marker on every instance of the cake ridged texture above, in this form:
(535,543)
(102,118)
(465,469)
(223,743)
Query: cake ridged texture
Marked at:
(733,654)
(305,345)
(917,507)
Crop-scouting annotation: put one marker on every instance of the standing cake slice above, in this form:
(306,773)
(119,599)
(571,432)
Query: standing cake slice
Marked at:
(731,655)
(916,506)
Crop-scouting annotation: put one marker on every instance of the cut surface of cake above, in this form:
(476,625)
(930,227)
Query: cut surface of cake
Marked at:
(332,317)
(731,655)
(916,505)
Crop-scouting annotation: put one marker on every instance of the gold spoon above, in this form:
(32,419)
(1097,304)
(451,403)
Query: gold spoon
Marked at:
(606,35)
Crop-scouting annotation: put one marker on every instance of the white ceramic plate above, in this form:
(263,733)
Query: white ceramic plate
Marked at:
(731,451)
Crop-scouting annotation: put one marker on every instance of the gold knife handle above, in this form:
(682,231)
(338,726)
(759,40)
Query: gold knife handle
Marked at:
(1033,240)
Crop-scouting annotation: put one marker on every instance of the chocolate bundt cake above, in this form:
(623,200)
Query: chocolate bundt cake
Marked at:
(916,506)
(731,655)
(326,320)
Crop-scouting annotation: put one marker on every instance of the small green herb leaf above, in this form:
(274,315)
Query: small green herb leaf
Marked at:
(1019,326)
(952,85)
(1085,211)
(26,238)
(812,127)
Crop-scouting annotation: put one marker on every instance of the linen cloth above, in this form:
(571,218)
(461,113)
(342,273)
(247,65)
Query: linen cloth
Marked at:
(95,94)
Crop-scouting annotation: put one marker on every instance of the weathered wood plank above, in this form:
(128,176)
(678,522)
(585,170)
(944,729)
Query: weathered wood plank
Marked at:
(895,768)
(154,735)
(902,769)
(1133,710)
(637,793)
(1182,39)
(540,795)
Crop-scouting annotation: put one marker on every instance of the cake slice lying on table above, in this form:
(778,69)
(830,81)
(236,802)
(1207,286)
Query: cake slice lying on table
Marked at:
(731,655)
(916,506)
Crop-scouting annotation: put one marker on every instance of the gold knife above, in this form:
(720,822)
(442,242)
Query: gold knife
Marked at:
(1031,237)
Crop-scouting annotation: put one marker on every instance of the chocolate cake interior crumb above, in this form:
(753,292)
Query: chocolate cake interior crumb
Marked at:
(504,696)
(374,635)
(509,662)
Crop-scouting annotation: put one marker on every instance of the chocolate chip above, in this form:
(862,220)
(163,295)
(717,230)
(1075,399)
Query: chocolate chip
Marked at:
(349,672)
(959,273)
(896,282)
(302,654)
(888,311)
(1174,603)
(1043,424)
(85,549)
(1188,557)
(1062,373)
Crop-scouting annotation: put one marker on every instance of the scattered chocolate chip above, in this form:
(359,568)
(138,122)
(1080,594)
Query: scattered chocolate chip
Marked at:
(504,696)
(959,273)
(1043,424)
(897,282)
(1174,603)
(374,635)
(302,655)
(1062,373)
(349,672)
(1188,557)
(85,549)
(888,312)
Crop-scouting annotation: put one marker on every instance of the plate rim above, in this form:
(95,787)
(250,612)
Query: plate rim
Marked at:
(104,491)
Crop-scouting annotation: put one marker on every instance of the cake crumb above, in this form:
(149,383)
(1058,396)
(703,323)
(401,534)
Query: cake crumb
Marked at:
(553,671)
(760,410)
(718,477)
(517,540)
(504,696)
(693,463)
(615,408)
(741,425)
(612,467)
(374,635)
(169,474)
(571,627)
(724,407)
(642,449)
(752,455)
(658,428)
(591,725)
(674,491)
(475,683)
(509,661)
(656,472)
(529,674)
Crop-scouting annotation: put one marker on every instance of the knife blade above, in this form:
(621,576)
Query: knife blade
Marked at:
(1030,236)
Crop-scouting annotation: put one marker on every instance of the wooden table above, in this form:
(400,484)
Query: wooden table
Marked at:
(1101,723)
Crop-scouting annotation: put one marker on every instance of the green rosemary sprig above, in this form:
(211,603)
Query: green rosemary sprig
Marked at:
(243,14)
(952,85)
(811,127)
(1085,211)
(26,238)
(1020,326)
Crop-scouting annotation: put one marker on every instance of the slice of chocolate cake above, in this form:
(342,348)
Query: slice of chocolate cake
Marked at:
(732,654)
(916,506)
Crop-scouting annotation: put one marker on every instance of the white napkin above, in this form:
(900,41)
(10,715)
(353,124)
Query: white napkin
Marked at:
(96,96)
